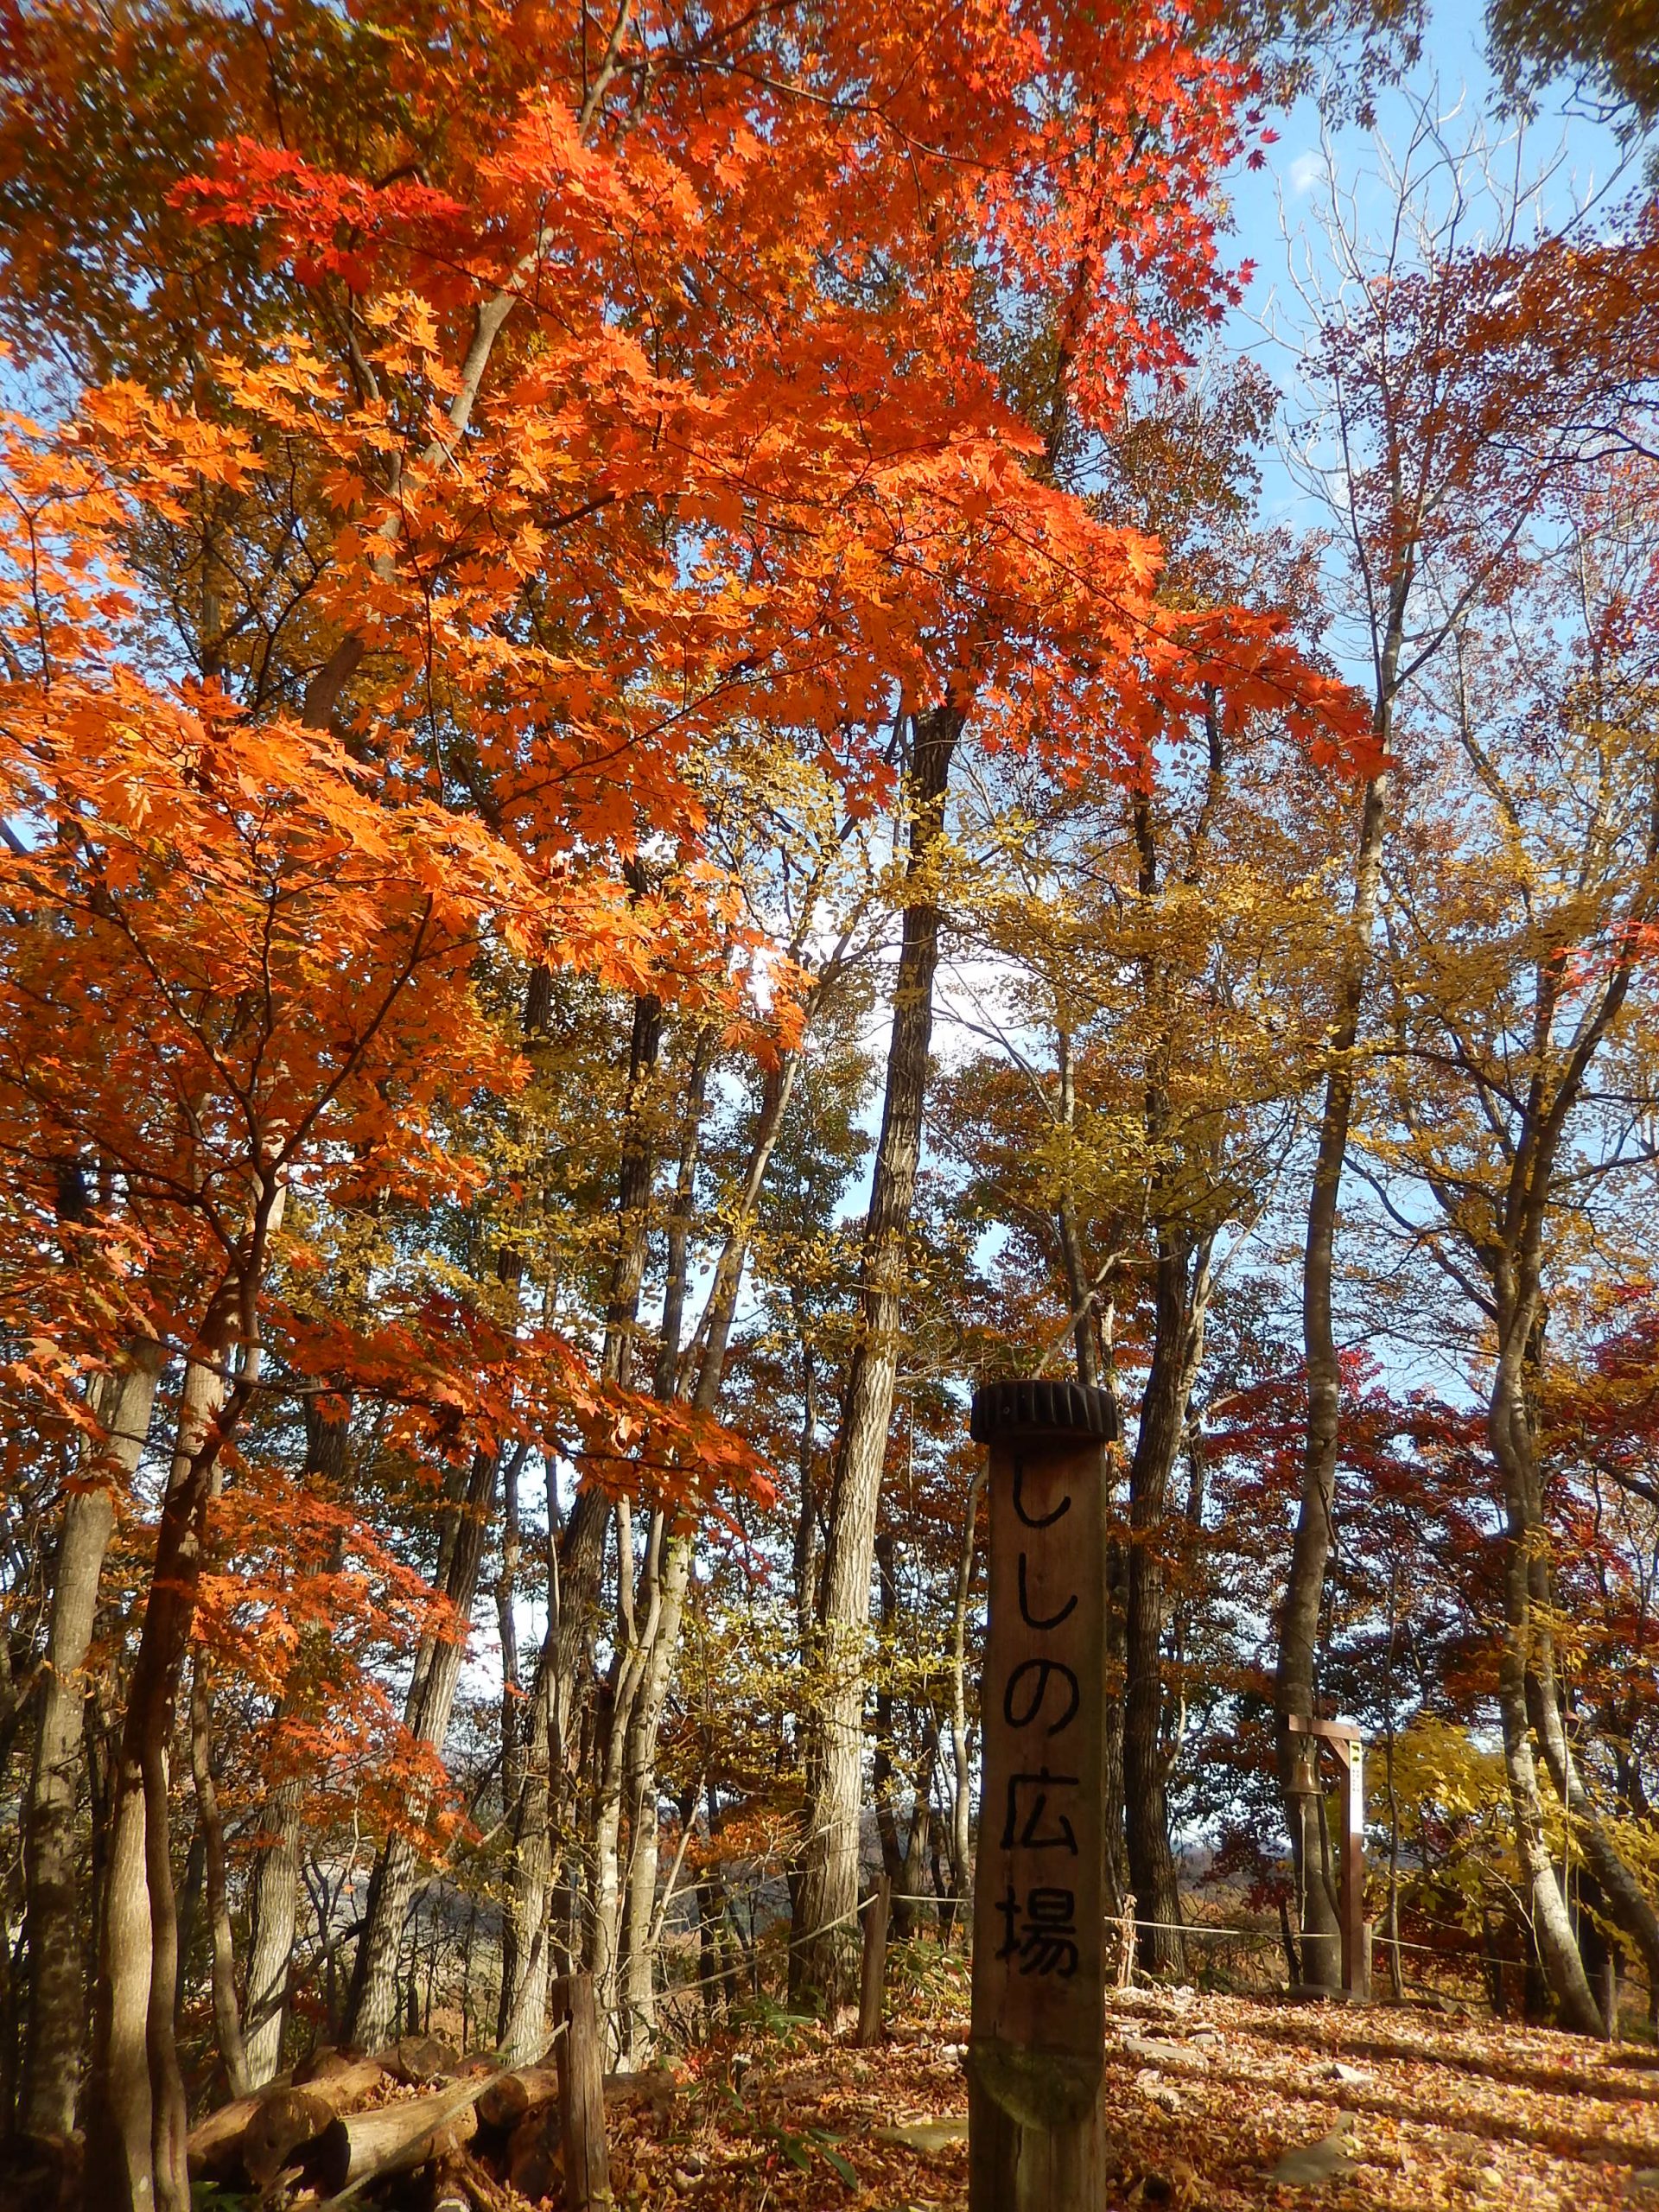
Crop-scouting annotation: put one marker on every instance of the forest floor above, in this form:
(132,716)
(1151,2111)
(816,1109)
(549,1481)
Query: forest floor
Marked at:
(1217,2102)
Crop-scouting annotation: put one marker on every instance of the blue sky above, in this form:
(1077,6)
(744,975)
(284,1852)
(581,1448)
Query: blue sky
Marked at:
(1276,209)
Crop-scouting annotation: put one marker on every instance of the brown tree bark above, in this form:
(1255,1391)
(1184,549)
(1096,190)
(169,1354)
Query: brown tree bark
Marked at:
(962,1858)
(1085,1294)
(373,2006)
(1181,1302)
(227,2017)
(275,1877)
(1510,1429)
(521,2027)
(636,1713)
(1298,1622)
(823,1944)
(136,2122)
(565,1666)
(55,2020)
(1626,1904)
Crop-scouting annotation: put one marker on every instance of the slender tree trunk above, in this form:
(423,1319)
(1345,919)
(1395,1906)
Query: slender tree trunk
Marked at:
(1298,1625)
(55,2025)
(276,1887)
(826,1896)
(1623,1898)
(1181,1290)
(882,1764)
(640,1919)
(189,1912)
(136,2118)
(372,2007)
(583,1555)
(961,1860)
(512,1710)
(1085,1330)
(275,1878)
(227,2018)
(804,1555)
(660,1601)
(605,1936)
(506,1600)
(919,1853)
(1509,1427)
(521,2027)
(546,1781)
(1086,1341)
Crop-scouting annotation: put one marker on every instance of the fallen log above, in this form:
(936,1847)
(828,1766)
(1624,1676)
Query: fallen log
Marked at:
(359,2148)
(461,2179)
(391,2139)
(419,2059)
(214,2147)
(534,2161)
(535,2089)
(510,2096)
(344,2077)
(251,2140)
(286,2123)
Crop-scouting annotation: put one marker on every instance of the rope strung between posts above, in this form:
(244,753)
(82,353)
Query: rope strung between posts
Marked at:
(795,1943)
(1228,1932)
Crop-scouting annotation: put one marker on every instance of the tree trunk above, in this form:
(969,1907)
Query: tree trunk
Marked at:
(961,1860)
(883,1767)
(136,2122)
(920,1854)
(56,2028)
(275,1886)
(521,2028)
(1623,1898)
(1510,1430)
(1086,1342)
(275,1879)
(1181,1294)
(1298,1625)
(227,2018)
(372,2007)
(659,1602)
(582,1617)
(546,1784)
(826,1896)
(640,1787)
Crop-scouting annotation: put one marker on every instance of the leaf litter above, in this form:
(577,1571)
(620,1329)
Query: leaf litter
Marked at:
(1213,2104)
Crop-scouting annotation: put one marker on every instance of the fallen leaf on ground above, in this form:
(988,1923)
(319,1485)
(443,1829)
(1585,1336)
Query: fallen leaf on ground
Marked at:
(930,2136)
(1314,2162)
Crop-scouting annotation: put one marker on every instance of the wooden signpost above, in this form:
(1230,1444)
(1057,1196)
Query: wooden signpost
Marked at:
(1037,2047)
(1348,1745)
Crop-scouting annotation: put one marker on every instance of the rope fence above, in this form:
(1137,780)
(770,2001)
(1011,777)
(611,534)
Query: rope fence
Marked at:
(728,1947)
(1251,1936)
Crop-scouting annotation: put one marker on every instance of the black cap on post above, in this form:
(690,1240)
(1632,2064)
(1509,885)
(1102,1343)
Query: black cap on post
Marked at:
(1041,1409)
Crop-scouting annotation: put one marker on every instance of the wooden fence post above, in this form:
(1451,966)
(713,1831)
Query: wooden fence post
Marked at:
(1037,2049)
(1348,1745)
(581,2095)
(873,1965)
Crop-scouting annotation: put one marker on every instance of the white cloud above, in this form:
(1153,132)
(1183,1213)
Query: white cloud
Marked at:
(1305,172)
